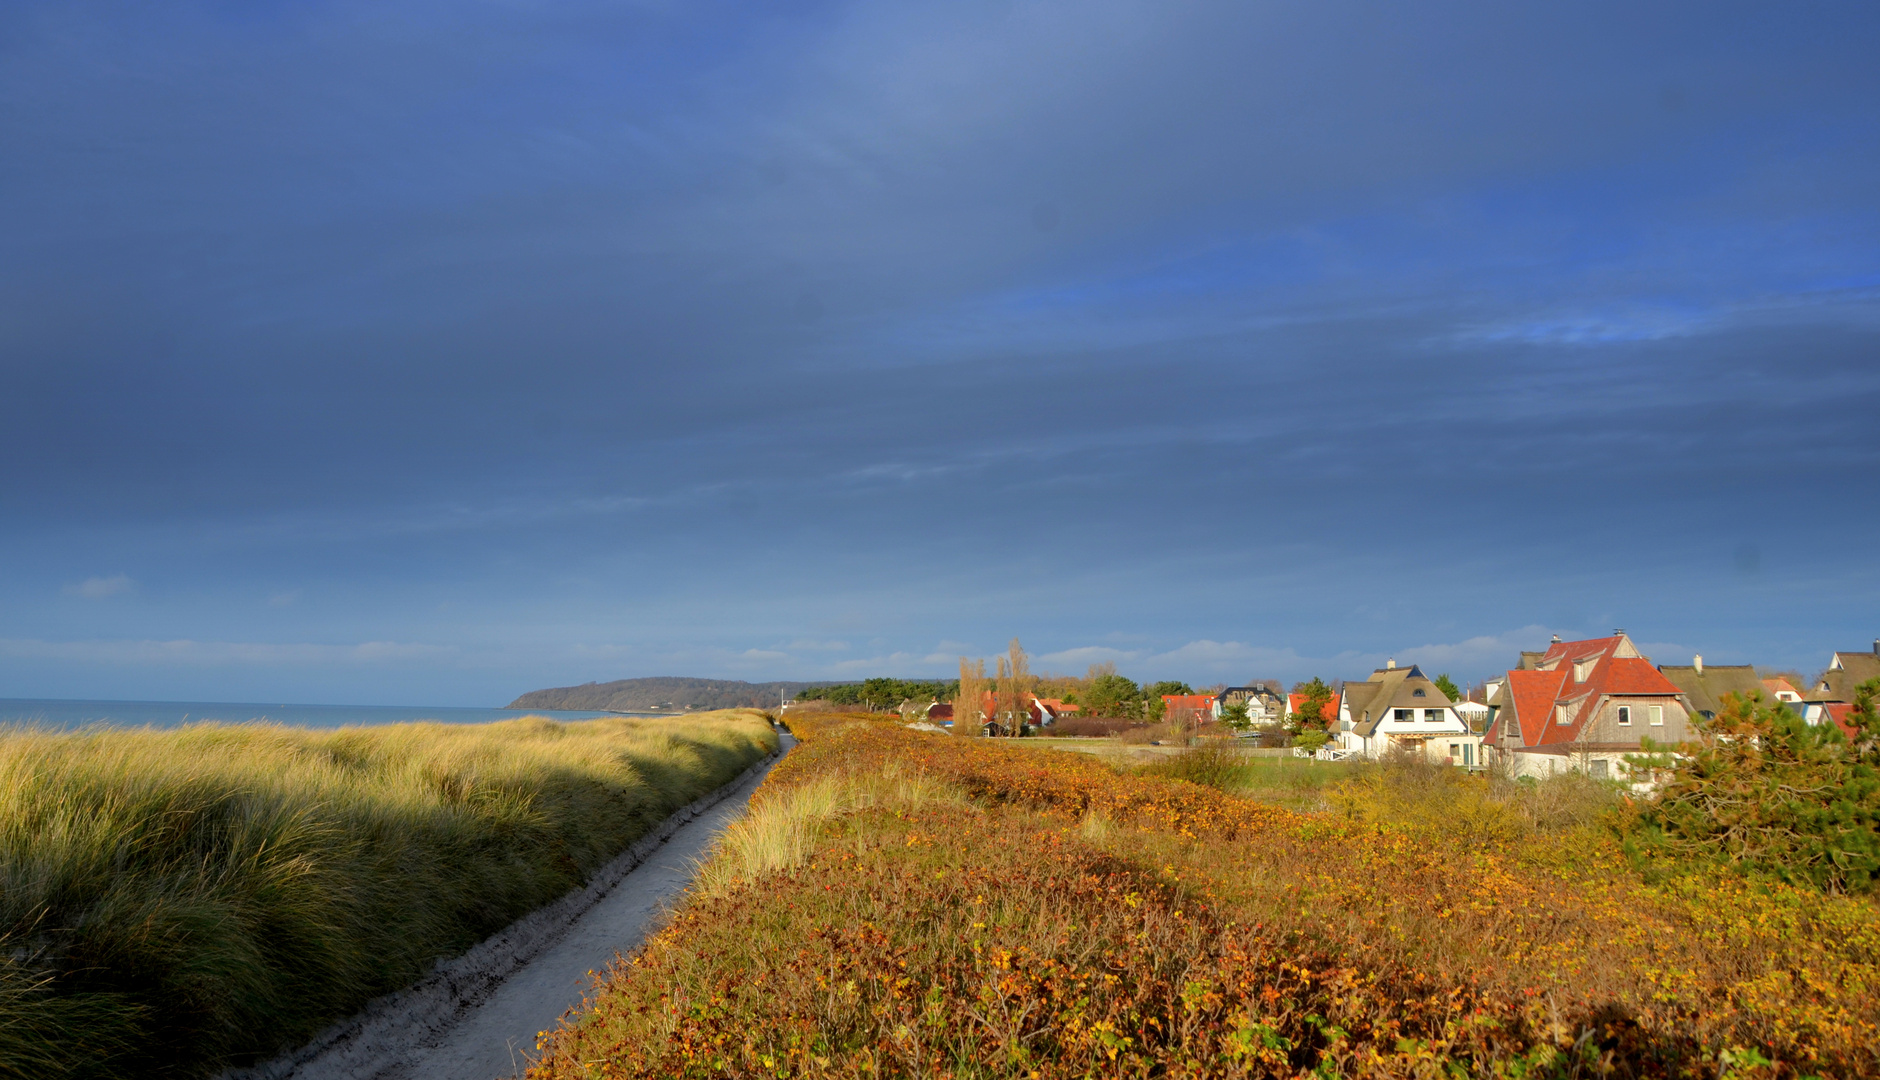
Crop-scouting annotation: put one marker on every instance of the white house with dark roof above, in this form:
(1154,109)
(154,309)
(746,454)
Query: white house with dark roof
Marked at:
(1399,710)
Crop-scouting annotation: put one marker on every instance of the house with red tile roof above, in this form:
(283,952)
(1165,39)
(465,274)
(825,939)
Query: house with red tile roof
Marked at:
(1049,710)
(1328,711)
(1400,710)
(1187,709)
(1583,705)
(1836,712)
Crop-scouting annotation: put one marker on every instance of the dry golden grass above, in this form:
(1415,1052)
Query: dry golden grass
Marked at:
(172,902)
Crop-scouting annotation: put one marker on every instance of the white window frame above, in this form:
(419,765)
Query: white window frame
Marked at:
(1657,715)
(1625,716)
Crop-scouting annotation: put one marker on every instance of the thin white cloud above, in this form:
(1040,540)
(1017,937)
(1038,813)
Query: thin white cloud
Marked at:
(97,588)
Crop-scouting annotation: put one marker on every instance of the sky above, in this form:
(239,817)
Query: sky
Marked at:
(411,352)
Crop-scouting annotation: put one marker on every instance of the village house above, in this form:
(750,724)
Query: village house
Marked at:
(1187,710)
(1043,712)
(1264,703)
(1832,696)
(1583,705)
(1399,710)
(1328,712)
(1784,691)
(1049,710)
(1704,687)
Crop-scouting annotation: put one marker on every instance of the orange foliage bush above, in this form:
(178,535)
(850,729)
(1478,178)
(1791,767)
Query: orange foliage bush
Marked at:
(1075,921)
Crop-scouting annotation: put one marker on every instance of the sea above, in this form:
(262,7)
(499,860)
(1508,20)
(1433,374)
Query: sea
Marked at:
(57,714)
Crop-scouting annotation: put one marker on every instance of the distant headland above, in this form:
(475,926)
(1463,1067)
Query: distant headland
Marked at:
(663,694)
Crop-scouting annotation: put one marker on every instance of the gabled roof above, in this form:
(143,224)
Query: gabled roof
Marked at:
(1355,699)
(1390,688)
(1198,702)
(1845,672)
(1705,689)
(1265,696)
(1610,666)
(1781,686)
(1528,701)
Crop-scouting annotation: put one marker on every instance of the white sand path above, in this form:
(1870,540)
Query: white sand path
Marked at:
(477,1018)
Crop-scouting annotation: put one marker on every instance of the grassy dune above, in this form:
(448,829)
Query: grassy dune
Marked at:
(900,904)
(172,902)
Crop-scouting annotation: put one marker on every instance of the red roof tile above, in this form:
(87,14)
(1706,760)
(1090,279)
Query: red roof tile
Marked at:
(1632,675)
(1327,711)
(1537,694)
(1837,711)
(1532,695)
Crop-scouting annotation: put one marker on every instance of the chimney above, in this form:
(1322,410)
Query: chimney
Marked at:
(1390,665)
(1698,663)
(1556,639)
(1618,631)
(1876,646)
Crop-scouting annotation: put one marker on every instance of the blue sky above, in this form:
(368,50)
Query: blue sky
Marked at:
(427,353)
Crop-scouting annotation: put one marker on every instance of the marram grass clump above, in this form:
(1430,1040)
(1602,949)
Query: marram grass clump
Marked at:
(174,902)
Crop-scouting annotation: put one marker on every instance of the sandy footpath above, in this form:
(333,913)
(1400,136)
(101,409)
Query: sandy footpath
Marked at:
(477,1016)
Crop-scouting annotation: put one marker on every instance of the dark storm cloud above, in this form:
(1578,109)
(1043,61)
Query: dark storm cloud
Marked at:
(568,336)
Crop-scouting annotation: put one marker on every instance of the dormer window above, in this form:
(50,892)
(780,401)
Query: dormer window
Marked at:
(1582,669)
(1418,693)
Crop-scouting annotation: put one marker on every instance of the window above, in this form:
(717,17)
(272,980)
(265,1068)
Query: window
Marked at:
(1597,767)
(1455,749)
(1432,716)
(1582,669)
(1405,714)
(1625,716)
(1560,715)
(1418,692)
(1658,715)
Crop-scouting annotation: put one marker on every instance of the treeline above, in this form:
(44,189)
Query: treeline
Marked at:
(882,693)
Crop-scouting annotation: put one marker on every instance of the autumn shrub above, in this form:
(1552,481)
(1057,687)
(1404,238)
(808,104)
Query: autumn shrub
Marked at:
(1097,727)
(174,902)
(1062,918)
(1481,806)
(1209,764)
(1763,790)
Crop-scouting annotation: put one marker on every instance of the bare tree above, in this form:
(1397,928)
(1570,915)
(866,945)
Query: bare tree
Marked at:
(968,707)
(1016,686)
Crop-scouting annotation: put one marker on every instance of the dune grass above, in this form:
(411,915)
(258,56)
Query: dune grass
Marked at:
(174,902)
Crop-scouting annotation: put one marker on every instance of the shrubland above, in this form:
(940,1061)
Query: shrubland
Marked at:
(901,904)
(1765,791)
(173,902)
